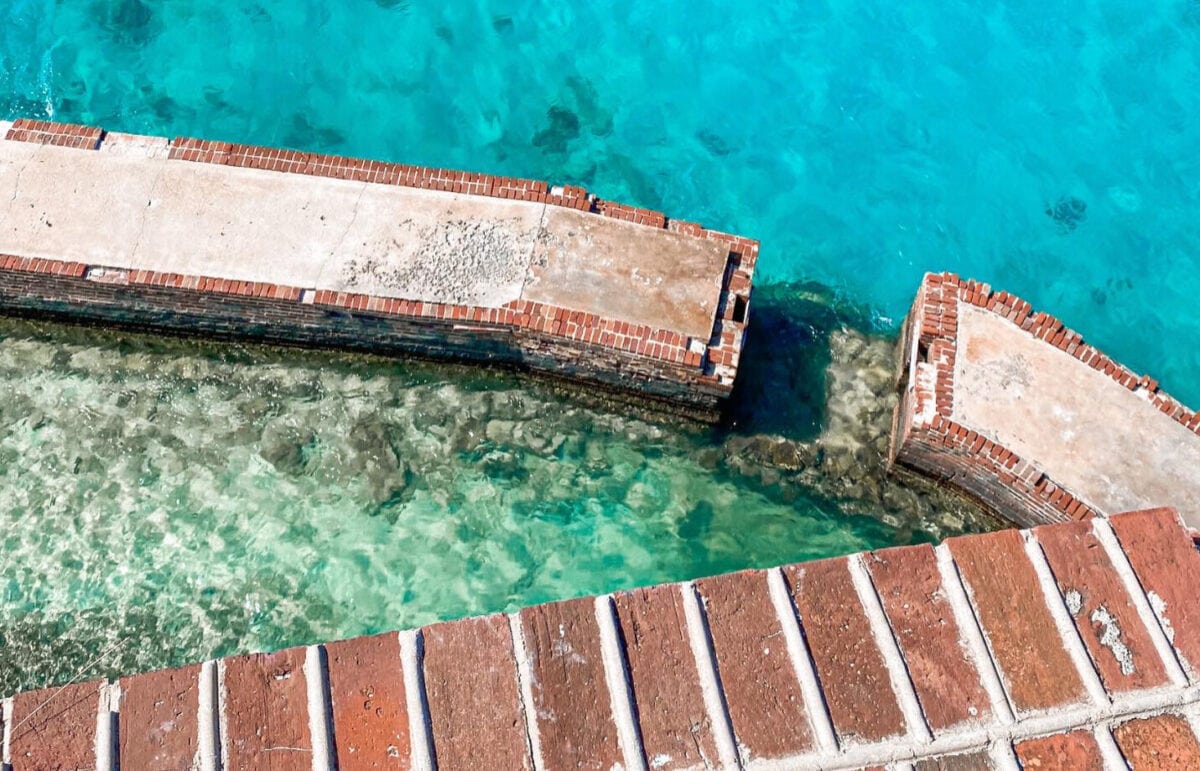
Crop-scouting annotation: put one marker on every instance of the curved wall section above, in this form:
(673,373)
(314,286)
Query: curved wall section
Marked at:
(1012,408)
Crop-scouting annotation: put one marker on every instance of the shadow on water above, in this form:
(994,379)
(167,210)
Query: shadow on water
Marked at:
(781,386)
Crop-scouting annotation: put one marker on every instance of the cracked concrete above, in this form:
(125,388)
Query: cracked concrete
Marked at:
(128,206)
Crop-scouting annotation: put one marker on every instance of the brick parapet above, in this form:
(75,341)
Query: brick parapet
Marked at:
(985,648)
(709,363)
(926,438)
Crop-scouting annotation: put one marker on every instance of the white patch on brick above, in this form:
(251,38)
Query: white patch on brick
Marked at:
(1074,601)
(1067,632)
(316,680)
(925,381)
(617,677)
(1153,621)
(207,721)
(1111,638)
(222,719)
(814,700)
(1159,606)
(525,677)
(6,708)
(420,726)
(135,145)
(710,687)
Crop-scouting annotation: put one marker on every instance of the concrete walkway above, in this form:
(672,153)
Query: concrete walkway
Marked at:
(129,206)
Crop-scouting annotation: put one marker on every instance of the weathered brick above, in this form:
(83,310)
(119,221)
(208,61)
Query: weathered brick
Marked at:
(1036,669)
(766,705)
(474,697)
(849,664)
(1163,742)
(966,761)
(1101,608)
(160,719)
(1073,750)
(676,729)
(367,699)
(266,712)
(570,695)
(947,682)
(1168,567)
(54,729)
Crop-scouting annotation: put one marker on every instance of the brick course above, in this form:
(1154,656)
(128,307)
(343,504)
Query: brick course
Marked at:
(492,700)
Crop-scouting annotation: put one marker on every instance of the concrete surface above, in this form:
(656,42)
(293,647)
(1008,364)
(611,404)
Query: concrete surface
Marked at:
(1100,440)
(127,206)
(671,282)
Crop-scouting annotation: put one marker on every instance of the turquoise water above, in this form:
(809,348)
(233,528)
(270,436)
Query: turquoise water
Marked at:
(863,143)
(1047,148)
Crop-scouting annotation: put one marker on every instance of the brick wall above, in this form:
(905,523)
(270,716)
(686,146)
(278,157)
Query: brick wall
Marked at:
(1069,646)
(283,315)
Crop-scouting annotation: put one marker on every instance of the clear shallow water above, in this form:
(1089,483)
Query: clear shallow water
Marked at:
(862,145)
(182,500)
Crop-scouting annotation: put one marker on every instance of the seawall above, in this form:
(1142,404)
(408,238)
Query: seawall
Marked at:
(210,238)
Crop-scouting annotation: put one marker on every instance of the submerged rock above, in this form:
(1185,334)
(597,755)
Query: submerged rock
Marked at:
(1068,211)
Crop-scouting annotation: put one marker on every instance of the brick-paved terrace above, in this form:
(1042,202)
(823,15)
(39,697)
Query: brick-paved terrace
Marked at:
(1073,645)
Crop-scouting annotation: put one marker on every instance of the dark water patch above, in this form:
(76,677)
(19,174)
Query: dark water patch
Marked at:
(781,379)
(130,22)
(1069,212)
(562,127)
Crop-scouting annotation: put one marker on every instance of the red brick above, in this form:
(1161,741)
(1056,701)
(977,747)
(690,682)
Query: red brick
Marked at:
(160,719)
(676,727)
(1011,608)
(1072,750)
(570,695)
(367,700)
(854,677)
(1167,565)
(1117,641)
(766,705)
(55,729)
(947,682)
(1153,744)
(266,707)
(473,694)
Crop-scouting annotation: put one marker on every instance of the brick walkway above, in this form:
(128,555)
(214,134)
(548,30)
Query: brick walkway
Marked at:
(1016,410)
(1074,645)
